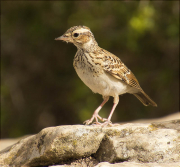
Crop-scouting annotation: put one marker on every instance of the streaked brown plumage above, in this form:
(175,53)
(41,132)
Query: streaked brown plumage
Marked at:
(101,71)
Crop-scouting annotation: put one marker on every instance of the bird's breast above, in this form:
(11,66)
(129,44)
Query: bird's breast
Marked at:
(99,81)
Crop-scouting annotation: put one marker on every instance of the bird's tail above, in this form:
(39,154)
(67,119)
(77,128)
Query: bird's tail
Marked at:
(145,99)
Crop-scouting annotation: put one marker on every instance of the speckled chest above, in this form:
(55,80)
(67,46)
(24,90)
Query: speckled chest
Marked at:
(84,64)
(91,72)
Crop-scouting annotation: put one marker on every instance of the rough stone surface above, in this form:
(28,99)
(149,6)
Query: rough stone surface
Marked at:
(134,164)
(137,144)
(122,164)
(141,143)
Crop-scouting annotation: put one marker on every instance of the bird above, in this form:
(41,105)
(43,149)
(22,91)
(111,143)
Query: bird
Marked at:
(102,72)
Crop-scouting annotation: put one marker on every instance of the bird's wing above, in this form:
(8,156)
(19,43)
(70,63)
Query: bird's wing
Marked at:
(114,66)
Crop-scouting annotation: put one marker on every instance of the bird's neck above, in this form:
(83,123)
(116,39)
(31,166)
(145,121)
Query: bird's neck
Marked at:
(90,46)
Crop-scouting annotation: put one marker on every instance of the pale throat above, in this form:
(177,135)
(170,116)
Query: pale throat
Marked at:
(90,45)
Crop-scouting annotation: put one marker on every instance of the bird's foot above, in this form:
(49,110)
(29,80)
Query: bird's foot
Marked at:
(96,117)
(106,123)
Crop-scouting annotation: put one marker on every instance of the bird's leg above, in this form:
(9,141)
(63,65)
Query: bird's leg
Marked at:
(108,121)
(96,115)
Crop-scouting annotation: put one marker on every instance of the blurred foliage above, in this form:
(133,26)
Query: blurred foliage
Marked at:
(40,88)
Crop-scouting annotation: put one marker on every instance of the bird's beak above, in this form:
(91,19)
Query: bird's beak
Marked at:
(64,38)
(61,38)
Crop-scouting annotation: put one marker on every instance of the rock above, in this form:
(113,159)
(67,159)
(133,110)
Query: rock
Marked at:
(131,143)
(4,143)
(134,164)
(53,145)
(122,164)
(174,124)
(141,143)
(7,142)
(170,117)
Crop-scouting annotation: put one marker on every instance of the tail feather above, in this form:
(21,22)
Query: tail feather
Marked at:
(145,99)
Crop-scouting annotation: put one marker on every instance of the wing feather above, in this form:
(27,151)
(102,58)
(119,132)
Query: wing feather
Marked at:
(114,66)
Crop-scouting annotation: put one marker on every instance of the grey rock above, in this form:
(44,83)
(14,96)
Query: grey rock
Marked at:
(87,145)
(126,164)
(7,142)
(134,164)
(53,145)
(140,143)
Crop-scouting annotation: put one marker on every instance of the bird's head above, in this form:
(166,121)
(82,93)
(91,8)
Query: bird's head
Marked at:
(80,36)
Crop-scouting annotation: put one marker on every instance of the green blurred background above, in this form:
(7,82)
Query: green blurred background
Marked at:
(40,88)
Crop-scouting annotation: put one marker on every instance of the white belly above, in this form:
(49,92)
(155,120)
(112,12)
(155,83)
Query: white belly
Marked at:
(104,84)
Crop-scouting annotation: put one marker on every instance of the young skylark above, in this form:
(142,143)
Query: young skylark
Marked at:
(102,72)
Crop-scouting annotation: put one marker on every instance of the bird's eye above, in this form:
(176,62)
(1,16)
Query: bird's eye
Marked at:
(75,34)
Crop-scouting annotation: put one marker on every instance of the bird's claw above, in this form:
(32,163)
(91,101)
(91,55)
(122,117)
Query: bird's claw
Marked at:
(87,122)
(96,117)
(105,121)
